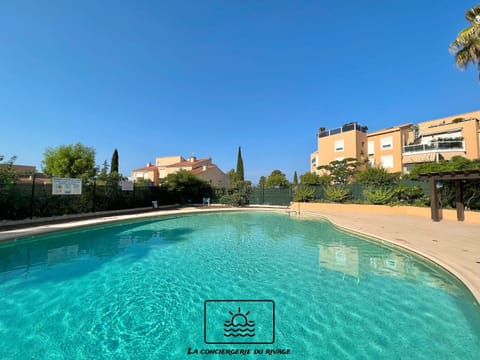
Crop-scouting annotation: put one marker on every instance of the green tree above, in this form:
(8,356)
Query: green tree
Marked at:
(238,196)
(466,46)
(187,187)
(313,179)
(277,179)
(114,163)
(295,178)
(232,175)
(72,161)
(103,175)
(240,175)
(341,171)
(376,176)
(8,175)
(262,182)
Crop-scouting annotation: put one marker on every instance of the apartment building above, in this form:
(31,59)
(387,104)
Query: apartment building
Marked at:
(399,148)
(203,168)
(348,141)
(442,139)
(385,146)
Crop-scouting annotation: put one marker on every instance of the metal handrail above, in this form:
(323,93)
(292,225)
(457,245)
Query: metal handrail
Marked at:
(435,146)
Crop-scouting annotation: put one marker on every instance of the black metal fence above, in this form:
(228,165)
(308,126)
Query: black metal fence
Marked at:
(28,200)
(283,196)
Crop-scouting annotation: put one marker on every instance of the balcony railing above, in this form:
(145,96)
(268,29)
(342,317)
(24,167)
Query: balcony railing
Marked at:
(344,128)
(435,147)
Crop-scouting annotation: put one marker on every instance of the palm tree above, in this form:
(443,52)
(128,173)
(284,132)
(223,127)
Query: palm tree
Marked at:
(466,47)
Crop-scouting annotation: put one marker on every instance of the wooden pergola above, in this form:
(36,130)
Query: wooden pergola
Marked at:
(456,176)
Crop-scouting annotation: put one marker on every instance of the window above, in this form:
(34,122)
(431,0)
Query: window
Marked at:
(387,161)
(371,148)
(386,143)
(339,145)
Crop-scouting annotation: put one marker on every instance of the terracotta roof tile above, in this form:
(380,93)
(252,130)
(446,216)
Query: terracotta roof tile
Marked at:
(147,168)
(190,163)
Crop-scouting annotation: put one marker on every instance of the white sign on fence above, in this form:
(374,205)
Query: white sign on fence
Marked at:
(65,186)
(126,185)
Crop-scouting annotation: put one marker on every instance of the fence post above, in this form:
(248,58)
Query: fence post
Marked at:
(133,194)
(263,194)
(32,197)
(93,194)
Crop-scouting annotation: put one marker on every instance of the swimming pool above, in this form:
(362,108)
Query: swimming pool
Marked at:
(168,287)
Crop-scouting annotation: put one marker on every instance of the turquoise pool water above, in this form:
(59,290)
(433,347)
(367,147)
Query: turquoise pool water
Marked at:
(138,290)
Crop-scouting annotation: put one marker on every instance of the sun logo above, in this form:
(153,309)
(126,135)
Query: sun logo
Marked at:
(239,325)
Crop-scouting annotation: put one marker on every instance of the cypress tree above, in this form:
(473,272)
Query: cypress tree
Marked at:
(295,178)
(114,164)
(240,175)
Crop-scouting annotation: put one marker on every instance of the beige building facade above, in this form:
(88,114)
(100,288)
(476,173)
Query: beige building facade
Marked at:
(348,141)
(166,165)
(399,148)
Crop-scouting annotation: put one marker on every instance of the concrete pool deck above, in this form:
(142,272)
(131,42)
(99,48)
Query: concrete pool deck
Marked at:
(453,245)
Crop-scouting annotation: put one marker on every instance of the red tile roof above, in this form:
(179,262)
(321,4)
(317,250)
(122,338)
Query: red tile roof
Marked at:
(200,170)
(193,164)
(147,168)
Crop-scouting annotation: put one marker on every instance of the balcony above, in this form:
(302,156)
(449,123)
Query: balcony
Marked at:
(437,146)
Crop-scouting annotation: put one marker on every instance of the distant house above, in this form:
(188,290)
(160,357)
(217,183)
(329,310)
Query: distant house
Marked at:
(203,168)
(148,173)
(25,173)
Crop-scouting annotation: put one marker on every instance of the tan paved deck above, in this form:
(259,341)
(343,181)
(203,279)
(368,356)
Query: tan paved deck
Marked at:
(454,245)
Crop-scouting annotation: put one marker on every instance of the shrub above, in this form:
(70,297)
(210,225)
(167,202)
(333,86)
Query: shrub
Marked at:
(379,196)
(337,193)
(408,193)
(304,193)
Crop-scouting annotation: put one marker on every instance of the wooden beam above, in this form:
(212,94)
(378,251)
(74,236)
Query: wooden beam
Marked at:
(434,206)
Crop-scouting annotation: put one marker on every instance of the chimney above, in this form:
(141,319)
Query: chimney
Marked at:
(149,164)
(192,159)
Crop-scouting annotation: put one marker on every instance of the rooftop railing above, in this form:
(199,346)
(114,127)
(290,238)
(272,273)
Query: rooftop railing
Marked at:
(435,146)
(342,129)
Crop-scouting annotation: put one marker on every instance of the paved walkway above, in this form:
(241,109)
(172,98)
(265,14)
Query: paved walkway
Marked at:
(454,245)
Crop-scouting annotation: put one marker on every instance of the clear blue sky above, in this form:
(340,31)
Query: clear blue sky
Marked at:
(160,78)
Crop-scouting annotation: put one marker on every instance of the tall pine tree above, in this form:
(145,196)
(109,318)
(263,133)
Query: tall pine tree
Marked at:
(295,178)
(114,164)
(240,175)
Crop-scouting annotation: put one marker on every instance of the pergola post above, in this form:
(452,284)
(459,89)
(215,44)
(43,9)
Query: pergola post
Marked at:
(434,205)
(457,177)
(459,200)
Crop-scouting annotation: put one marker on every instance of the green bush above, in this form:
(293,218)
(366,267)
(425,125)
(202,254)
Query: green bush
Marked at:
(234,199)
(379,196)
(408,194)
(304,193)
(337,193)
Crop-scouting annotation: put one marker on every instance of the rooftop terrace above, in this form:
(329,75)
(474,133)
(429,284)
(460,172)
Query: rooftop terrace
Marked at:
(347,127)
